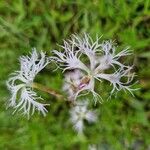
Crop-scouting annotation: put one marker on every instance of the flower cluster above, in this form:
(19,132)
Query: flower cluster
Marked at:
(90,61)
(20,84)
(84,62)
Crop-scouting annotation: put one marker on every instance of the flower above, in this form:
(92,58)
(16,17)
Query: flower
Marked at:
(94,59)
(79,113)
(20,84)
(92,147)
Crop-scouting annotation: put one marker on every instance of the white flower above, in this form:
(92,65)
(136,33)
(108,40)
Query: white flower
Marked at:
(92,147)
(93,59)
(79,113)
(20,84)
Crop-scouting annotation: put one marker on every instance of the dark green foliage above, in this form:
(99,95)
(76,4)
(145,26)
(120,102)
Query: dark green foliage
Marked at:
(124,121)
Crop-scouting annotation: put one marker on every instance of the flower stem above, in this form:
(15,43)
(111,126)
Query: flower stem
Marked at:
(47,90)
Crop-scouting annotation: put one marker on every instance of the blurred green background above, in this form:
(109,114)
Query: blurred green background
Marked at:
(124,122)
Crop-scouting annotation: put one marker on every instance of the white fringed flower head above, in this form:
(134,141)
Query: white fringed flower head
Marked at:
(92,147)
(94,59)
(20,84)
(79,113)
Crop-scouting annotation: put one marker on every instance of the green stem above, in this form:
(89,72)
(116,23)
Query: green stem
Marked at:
(47,90)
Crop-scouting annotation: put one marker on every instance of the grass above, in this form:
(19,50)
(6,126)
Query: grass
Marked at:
(123,121)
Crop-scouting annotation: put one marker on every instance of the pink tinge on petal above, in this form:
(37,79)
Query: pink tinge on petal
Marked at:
(84,82)
(82,85)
